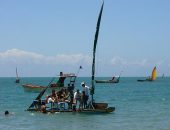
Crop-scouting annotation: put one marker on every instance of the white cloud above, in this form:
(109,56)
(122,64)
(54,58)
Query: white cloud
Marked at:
(17,56)
(159,63)
(144,62)
(25,57)
(121,61)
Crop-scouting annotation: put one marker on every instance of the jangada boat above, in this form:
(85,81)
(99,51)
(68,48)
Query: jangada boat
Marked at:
(66,106)
(150,78)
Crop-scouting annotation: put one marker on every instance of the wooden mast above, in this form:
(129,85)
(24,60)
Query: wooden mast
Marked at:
(94,50)
(17,78)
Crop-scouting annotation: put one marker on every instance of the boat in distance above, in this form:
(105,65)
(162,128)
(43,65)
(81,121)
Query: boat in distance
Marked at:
(113,80)
(17,77)
(150,78)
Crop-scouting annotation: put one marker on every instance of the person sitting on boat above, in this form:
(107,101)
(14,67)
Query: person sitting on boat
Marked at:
(66,95)
(77,98)
(63,98)
(86,89)
(46,99)
(61,95)
(50,100)
(149,78)
(43,109)
(113,78)
(54,96)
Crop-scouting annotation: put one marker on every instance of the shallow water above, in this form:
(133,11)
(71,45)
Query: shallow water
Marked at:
(139,106)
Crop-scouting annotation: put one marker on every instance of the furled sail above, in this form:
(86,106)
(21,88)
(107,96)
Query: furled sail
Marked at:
(94,49)
(17,77)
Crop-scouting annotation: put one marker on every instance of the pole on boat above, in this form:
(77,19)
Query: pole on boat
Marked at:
(17,77)
(78,70)
(80,67)
(17,73)
(120,75)
(94,50)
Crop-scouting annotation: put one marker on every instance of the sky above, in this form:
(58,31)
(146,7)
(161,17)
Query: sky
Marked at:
(42,38)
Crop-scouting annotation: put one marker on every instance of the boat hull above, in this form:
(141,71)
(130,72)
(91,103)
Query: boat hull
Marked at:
(65,107)
(36,88)
(106,81)
(90,111)
(150,78)
(17,81)
(144,80)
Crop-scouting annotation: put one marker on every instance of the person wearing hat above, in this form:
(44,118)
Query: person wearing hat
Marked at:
(86,90)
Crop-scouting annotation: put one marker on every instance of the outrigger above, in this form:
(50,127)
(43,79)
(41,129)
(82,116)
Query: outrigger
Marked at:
(67,106)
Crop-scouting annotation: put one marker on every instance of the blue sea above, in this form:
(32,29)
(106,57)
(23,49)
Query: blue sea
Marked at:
(139,106)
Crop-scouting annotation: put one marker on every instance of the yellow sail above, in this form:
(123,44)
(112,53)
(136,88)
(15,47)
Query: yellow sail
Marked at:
(154,74)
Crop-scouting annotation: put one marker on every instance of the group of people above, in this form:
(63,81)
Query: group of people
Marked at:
(64,95)
(72,99)
(60,96)
(81,98)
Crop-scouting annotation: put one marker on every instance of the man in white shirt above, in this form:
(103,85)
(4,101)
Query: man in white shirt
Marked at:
(86,90)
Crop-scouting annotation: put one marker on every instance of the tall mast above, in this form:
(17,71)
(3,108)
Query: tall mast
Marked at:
(17,73)
(94,49)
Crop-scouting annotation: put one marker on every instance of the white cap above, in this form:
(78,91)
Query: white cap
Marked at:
(82,83)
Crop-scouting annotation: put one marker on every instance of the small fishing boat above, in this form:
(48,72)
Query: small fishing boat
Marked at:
(67,106)
(150,78)
(107,81)
(17,77)
(113,80)
(163,75)
(58,85)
